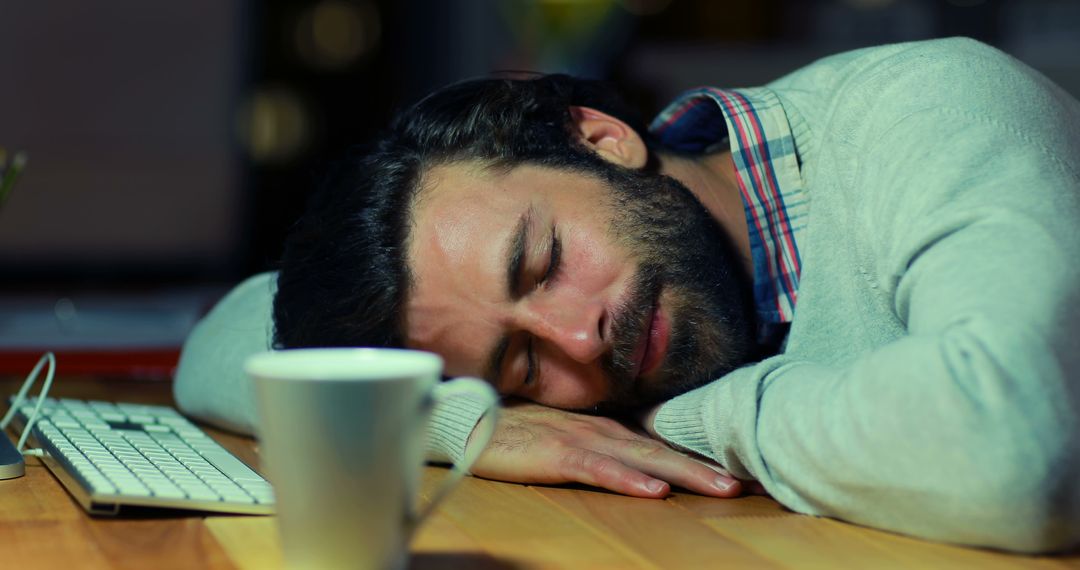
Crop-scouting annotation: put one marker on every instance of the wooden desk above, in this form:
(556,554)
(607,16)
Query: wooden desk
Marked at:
(484,524)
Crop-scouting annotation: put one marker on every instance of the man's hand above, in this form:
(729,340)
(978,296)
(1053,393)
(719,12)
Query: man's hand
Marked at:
(537,444)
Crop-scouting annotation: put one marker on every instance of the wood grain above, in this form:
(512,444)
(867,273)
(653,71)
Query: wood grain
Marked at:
(658,532)
(801,541)
(251,543)
(515,525)
(483,525)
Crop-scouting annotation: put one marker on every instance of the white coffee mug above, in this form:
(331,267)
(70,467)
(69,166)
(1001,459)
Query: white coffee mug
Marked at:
(342,437)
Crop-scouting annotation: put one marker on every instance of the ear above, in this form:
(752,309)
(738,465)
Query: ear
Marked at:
(612,139)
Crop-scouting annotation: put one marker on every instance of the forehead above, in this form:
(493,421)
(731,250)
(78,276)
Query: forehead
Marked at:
(462,220)
(455,201)
(464,212)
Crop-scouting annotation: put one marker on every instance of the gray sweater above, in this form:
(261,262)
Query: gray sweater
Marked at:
(929,382)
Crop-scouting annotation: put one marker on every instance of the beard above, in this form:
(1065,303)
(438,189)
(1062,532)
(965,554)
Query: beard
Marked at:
(683,253)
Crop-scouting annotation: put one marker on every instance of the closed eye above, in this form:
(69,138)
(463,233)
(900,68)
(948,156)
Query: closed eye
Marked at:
(550,273)
(554,259)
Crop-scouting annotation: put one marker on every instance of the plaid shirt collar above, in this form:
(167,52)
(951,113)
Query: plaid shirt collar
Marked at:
(753,123)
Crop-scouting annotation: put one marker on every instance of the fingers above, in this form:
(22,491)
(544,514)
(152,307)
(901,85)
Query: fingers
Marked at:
(540,445)
(607,472)
(647,474)
(654,459)
(665,463)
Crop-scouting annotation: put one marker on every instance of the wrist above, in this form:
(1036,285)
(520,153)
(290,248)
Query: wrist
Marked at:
(453,422)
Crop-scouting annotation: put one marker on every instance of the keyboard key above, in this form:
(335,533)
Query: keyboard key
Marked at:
(160,411)
(102,487)
(176,421)
(134,459)
(191,487)
(122,480)
(180,474)
(169,492)
(240,497)
(204,472)
(255,486)
(205,494)
(230,465)
(129,409)
(111,465)
(131,485)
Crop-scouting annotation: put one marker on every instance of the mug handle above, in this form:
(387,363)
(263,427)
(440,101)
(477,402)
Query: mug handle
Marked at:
(480,438)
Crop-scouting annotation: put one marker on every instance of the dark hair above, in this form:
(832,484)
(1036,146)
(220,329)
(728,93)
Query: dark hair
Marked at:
(343,275)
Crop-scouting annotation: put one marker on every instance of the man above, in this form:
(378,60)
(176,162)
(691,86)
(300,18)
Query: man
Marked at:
(855,288)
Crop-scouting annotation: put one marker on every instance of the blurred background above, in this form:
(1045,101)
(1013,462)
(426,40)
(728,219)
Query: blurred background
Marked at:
(171,145)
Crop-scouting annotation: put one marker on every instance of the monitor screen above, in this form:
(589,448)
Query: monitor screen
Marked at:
(125,111)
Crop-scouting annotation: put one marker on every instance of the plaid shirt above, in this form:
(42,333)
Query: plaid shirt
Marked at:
(752,122)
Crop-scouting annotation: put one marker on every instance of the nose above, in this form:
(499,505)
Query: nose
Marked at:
(576,329)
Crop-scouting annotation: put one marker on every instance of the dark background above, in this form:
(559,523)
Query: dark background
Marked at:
(175,143)
(171,145)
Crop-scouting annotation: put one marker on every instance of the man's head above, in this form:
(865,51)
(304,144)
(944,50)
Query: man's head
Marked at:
(517,228)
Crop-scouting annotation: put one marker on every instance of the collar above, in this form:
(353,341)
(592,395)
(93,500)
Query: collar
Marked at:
(753,124)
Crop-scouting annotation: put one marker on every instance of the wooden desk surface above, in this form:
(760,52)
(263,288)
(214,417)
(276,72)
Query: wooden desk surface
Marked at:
(484,524)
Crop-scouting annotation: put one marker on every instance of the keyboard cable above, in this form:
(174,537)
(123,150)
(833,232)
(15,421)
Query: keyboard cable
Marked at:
(47,358)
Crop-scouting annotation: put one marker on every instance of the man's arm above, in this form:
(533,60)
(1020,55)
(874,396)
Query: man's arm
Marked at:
(211,384)
(965,428)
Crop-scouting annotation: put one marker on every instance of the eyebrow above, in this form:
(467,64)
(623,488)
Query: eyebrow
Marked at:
(515,253)
(515,260)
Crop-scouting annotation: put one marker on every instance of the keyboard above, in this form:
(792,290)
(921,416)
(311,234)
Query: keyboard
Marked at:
(112,455)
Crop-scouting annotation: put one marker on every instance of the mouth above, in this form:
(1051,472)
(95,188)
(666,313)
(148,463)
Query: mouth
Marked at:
(649,353)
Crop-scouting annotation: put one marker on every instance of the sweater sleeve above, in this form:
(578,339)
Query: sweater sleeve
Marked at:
(964,428)
(211,385)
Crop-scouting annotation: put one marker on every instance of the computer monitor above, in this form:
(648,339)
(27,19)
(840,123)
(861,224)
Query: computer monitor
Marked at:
(126,111)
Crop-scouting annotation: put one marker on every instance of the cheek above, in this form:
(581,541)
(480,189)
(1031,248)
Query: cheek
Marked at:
(457,329)
(460,352)
(569,384)
(592,262)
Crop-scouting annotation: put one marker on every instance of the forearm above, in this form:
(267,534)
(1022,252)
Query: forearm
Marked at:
(927,436)
(211,385)
(452,421)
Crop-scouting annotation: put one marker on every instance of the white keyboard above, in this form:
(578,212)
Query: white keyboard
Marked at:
(109,455)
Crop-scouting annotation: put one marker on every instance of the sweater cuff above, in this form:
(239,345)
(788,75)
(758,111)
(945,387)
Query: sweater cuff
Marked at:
(704,420)
(452,423)
(680,422)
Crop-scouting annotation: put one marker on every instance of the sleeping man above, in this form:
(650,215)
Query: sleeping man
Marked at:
(856,288)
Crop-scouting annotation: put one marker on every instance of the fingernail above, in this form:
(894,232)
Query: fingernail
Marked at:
(723,483)
(655,486)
